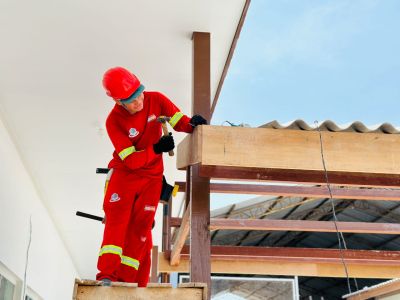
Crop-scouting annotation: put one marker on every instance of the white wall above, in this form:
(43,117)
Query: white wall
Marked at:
(50,272)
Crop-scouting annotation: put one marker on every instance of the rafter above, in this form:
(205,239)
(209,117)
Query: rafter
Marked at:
(293,261)
(338,192)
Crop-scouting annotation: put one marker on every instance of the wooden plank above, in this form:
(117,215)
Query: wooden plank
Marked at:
(181,238)
(381,290)
(199,186)
(352,193)
(301,176)
(304,225)
(381,257)
(287,268)
(294,155)
(93,290)
(195,285)
(127,293)
(298,225)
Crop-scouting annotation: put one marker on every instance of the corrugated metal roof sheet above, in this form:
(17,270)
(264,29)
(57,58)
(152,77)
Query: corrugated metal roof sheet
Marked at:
(296,208)
(328,125)
(365,289)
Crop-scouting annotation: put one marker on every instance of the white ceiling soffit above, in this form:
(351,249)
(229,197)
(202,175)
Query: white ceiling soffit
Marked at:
(53,55)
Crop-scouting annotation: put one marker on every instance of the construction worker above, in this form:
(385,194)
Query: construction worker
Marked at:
(134,182)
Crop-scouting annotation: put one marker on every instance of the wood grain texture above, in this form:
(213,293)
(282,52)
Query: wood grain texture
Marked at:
(302,191)
(304,225)
(293,151)
(288,268)
(181,237)
(93,290)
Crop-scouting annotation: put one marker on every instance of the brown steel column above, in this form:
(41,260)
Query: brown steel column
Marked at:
(200,267)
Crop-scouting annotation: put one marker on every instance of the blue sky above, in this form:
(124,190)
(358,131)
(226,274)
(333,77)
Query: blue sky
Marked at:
(315,60)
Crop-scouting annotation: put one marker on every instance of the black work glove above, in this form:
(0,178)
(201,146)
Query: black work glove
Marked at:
(165,144)
(197,120)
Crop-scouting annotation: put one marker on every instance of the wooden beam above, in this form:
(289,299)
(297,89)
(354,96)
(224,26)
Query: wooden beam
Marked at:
(302,176)
(287,268)
(175,222)
(304,225)
(200,241)
(381,290)
(181,238)
(298,225)
(305,254)
(293,155)
(352,193)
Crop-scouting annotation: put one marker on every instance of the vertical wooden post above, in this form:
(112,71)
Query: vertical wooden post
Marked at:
(154,265)
(166,240)
(187,188)
(200,267)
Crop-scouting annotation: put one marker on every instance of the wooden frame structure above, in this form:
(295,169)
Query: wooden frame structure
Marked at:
(360,166)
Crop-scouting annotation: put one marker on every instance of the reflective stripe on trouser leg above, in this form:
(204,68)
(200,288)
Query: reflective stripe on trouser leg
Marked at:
(111,249)
(130,262)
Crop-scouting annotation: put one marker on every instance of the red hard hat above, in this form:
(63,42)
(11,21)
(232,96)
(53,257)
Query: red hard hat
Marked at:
(121,84)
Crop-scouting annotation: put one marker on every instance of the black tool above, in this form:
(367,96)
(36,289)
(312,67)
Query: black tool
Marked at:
(89,216)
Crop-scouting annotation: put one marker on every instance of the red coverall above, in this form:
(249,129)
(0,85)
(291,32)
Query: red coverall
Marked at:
(143,274)
(135,180)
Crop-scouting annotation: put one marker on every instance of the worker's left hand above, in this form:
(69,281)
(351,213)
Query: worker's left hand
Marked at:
(197,120)
(165,144)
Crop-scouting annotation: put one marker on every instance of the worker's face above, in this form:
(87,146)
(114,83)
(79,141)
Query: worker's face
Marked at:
(135,106)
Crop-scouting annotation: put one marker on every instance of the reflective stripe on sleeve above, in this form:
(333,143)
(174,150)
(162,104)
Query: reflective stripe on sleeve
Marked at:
(129,261)
(175,118)
(127,151)
(112,249)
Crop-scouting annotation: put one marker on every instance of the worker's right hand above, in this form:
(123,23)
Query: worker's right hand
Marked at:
(165,144)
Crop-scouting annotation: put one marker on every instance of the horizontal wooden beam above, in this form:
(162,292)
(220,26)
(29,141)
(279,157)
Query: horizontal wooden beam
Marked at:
(369,159)
(181,237)
(301,176)
(294,262)
(304,225)
(298,225)
(303,191)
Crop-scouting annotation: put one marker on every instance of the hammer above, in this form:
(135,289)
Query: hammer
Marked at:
(163,120)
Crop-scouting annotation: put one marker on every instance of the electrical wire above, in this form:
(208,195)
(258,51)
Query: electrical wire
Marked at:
(27,257)
(335,220)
